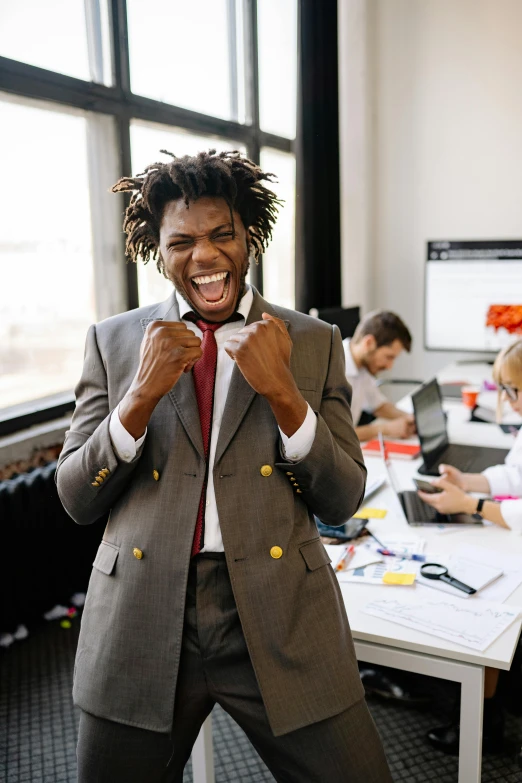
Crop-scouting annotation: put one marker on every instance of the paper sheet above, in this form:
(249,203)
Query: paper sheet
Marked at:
(510,564)
(474,624)
(373,574)
(363,557)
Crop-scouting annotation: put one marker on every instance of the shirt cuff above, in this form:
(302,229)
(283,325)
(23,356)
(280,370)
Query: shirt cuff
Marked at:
(511,511)
(123,443)
(299,444)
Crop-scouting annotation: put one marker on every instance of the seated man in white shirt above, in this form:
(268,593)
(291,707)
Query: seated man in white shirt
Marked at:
(379,339)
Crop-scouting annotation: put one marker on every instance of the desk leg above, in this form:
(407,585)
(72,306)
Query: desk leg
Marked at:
(471,678)
(471,713)
(203,755)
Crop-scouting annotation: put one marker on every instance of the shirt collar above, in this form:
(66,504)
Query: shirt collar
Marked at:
(351,367)
(244,305)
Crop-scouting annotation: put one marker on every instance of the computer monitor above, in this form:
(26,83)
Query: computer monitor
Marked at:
(473,295)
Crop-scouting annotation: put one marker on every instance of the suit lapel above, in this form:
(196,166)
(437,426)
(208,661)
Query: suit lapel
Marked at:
(240,393)
(182,395)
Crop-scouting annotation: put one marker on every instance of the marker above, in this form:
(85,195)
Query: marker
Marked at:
(389,553)
(343,562)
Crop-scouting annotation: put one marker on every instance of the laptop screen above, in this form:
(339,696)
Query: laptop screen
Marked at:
(430,420)
(388,466)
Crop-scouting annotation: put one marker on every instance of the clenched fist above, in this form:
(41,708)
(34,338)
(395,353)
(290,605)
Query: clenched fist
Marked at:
(168,349)
(262,352)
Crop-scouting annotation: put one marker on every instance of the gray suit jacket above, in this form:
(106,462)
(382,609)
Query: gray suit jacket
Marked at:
(291,608)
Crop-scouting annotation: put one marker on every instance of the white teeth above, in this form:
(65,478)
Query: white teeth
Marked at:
(209,278)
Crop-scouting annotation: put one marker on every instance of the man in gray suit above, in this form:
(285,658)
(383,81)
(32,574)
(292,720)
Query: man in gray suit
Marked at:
(210,428)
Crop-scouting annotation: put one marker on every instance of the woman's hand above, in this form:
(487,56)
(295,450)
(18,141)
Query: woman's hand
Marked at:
(453,475)
(452,500)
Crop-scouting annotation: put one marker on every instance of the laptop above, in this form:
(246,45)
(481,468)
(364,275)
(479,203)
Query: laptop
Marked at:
(430,421)
(416,511)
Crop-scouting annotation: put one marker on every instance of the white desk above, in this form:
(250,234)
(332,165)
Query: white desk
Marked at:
(382,642)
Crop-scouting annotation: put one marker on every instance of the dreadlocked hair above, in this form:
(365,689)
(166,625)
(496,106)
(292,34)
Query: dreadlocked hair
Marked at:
(227,175)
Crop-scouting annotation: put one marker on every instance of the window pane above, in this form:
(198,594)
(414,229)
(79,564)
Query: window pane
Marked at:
(147,140)
(279,259)
(67,36)
(46,296)
(277,45)
(184,53)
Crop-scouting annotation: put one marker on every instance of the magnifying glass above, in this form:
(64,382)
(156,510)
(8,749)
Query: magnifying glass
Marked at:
(436,571)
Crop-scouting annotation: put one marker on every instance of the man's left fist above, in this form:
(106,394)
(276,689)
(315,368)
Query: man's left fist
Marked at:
(262,352)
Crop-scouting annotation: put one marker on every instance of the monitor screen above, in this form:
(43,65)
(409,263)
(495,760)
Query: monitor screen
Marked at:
(429,418)
(473,295)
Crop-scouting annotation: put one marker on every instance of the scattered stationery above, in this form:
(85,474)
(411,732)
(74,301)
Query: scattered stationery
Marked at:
(390,553)
(349,552)
(336,553)
(374,573)
(402,546)
(363,557)
(392,578)
(370,513)
(394,449)
(473,572)
(474,624)
(511,565)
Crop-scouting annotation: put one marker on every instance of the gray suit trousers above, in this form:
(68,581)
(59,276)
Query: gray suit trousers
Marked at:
(215,667)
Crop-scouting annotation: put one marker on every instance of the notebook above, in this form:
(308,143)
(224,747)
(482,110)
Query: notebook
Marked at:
(394,449)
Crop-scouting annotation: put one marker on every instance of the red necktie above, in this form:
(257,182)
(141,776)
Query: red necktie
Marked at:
(204,374)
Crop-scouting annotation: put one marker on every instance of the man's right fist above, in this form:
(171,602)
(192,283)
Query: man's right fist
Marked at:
(168,349)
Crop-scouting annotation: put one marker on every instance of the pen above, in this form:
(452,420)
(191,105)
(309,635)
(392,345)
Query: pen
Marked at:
(375,538)
(345,559)
(389,553)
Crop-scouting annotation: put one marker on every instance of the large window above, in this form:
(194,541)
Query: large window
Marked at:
(46,294)
(109,84)
(278,261)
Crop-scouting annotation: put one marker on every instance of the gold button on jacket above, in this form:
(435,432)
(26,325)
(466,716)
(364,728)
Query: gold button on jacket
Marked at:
(138,554)
(266,470)
(155,475)
(276,552)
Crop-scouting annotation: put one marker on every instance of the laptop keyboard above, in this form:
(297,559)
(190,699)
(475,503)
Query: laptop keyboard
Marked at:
(418,511)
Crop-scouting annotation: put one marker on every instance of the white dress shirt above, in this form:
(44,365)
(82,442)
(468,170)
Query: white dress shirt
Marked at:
(294,448)
(365,391)
(506,479)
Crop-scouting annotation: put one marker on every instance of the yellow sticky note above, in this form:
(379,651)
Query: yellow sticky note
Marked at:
(393,578)
(370,513)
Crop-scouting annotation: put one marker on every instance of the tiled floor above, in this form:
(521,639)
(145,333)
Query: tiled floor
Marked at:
(38,725)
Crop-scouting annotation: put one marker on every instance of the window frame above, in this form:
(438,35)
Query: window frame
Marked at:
(119,102)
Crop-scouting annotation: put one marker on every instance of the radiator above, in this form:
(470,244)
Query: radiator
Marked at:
(45,557)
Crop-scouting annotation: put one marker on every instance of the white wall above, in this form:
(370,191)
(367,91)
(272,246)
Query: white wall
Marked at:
(441,98)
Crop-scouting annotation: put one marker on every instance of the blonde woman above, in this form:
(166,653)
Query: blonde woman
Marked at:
(500,480)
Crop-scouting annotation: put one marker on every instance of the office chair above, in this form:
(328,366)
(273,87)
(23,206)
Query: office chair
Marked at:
(345,318)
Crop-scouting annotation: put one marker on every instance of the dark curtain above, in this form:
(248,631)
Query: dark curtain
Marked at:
(318,241)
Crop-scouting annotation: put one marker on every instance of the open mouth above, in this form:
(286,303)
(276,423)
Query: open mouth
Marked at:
(212,289)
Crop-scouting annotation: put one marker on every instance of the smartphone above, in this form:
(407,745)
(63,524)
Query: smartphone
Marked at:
(426,486)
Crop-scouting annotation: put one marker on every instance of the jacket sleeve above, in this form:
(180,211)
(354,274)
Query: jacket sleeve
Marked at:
(332,476)
(89,476)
